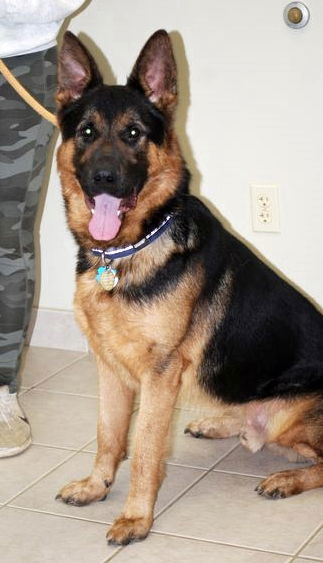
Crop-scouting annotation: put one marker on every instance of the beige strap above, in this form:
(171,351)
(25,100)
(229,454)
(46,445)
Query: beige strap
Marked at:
(25,95)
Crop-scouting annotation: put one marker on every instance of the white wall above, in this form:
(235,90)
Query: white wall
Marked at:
(251,112)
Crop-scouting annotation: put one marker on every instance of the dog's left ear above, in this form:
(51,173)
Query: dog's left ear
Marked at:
(155,72)
(77,70)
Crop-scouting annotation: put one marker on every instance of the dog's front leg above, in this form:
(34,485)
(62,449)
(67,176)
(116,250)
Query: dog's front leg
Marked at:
(159,391)
(115,408)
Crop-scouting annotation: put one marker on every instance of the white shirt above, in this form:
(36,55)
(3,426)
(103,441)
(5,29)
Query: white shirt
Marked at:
(27,26)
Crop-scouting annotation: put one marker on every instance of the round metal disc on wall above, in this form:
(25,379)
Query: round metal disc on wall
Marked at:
(296,15)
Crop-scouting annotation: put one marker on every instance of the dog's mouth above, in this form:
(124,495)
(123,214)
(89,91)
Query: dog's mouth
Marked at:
(107,214)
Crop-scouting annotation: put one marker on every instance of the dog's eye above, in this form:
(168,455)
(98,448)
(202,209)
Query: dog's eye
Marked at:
(133,133)
(87,132)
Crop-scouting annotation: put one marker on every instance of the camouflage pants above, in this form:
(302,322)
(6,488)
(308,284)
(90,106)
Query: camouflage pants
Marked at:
(24,138)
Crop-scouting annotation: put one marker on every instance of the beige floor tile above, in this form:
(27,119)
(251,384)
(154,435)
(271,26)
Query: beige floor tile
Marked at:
(184,449)
(20,471)
(315,547)
(195,452)
(259,464)
(60,420)
(225,508)
(40,363)
(80,379)
(91,447)
(221,508)
(40,538)
(42,495)
(167,549)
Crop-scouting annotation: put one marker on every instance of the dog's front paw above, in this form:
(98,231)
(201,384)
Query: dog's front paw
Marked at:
(79,493)
(126,530)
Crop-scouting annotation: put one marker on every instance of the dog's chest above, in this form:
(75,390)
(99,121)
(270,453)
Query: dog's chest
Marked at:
(134,335)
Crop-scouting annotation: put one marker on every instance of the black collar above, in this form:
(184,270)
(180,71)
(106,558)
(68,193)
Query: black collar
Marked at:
(121,252)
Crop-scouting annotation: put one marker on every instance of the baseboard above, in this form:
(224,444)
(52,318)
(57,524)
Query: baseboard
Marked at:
(51,328)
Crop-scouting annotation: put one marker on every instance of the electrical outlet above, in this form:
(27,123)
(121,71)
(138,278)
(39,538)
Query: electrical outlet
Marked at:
(265,208)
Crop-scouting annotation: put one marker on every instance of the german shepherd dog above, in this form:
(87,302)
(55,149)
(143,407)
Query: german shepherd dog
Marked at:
(166,295)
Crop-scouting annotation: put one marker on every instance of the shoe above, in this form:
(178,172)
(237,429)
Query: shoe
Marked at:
(15,433)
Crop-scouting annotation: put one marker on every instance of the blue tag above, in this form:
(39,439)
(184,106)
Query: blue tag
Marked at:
(100,272)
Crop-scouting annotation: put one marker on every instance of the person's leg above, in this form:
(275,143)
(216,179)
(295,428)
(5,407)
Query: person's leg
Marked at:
(24,138)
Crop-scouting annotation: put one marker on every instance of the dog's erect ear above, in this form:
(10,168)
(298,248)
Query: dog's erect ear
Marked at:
(77,70)
(155,72)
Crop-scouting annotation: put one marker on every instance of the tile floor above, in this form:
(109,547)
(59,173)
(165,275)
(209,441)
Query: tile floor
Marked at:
(206,511)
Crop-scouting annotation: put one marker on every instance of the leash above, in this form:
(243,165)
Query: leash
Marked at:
(24,94)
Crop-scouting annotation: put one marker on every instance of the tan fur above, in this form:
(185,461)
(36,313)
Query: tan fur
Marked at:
(139,352)
(78,215)
(164,173)
(206,318)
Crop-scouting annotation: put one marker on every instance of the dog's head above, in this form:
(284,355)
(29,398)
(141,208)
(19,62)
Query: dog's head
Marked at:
(119,159)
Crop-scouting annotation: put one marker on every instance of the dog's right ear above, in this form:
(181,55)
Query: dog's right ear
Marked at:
(77,70)
(155,73)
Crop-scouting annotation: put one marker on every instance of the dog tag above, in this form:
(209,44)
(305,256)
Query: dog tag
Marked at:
(107,277)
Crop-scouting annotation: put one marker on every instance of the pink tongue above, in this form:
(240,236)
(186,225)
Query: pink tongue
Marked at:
(105,223)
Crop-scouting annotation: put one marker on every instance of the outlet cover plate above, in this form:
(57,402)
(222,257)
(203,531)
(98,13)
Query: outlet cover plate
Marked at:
(265,207)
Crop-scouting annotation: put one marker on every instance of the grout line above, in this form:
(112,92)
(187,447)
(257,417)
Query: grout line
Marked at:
(32,483)
(69,364)
(229,452)
(59,514)
(112,556)
(197,480)
(54,392)
(307,541)
(186,466)
(200,468)
(218,542)
(92,452)
(181,494)
(308,558)
(121,548)
(54,447)
(227,472)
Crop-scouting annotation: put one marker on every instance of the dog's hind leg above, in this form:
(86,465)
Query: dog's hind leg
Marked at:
(159,392)
(225,423)
(302,430)
(115,409)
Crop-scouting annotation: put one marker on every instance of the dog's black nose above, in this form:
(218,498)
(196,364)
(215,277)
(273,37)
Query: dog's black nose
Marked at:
(103,178)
